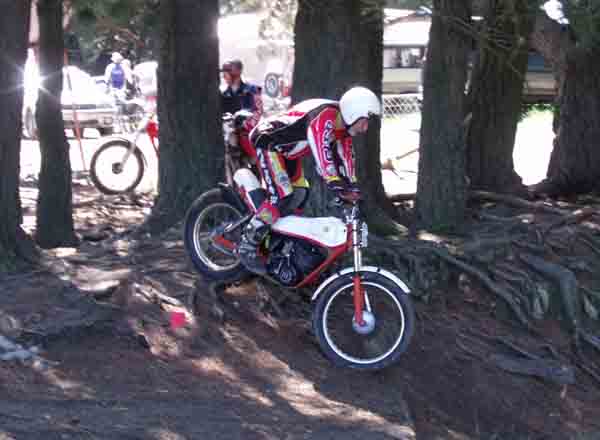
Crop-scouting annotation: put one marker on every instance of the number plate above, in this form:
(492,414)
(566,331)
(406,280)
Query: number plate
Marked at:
(364,235)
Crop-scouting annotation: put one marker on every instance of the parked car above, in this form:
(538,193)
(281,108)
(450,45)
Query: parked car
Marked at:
(93,107)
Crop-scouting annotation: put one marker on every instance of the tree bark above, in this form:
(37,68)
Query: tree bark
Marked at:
(54,212)
(191,146)
(442,184)
(336,48)
(14,30)
(574,163)
(495,96)
(575,160)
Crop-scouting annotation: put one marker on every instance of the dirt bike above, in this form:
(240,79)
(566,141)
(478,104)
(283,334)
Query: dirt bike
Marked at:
(119,164)
(363,317)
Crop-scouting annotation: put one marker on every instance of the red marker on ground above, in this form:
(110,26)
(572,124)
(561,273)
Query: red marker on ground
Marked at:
(178,319)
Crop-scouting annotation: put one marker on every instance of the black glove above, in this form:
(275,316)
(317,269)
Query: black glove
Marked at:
(345,191)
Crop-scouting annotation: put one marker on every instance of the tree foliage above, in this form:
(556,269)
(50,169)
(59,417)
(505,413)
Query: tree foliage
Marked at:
(129,26)
(584,20)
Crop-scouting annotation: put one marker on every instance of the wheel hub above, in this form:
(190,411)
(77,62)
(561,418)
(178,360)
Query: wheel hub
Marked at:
(368,323)
(117,168)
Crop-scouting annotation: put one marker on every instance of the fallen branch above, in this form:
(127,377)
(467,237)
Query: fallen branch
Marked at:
(397,198)
(496,197)
(516,202)
(575,217)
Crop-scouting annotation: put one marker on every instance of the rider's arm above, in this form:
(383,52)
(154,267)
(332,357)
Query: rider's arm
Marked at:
(256,109)
(321,138)
(345,151)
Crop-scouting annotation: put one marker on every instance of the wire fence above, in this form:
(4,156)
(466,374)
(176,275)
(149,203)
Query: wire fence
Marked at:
(394,106)
(397,105)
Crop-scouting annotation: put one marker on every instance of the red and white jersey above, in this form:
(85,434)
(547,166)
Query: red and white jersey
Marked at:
(313,126)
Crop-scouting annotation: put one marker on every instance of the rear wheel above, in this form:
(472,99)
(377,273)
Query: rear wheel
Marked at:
(272,87)
(108,172)
(209,247)
(389,322)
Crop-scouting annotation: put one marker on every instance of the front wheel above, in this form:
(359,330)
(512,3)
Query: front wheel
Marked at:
(389,322)
(210,248)
(110,173)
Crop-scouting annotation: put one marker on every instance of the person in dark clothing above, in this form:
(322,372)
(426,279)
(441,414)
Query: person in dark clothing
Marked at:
(239,95)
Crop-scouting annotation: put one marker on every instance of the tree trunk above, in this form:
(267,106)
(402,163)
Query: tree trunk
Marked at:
(14,26)
(338,47)
(191,146)
(442,184)
(575,161)
(495,96)
(54,212)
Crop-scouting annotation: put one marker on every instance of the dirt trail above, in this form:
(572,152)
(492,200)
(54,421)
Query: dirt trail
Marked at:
(235,373)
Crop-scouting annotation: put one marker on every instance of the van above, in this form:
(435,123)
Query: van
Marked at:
(404,51)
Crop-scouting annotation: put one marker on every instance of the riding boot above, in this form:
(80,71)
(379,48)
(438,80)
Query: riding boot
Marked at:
(248,250)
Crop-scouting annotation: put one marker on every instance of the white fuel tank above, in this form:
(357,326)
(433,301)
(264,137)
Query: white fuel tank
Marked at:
(326,231)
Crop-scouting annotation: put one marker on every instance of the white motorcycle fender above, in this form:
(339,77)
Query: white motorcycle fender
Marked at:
(246,179)
(389,275)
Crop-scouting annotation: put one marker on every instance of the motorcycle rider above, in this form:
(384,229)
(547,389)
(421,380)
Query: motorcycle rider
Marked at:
(318,126)
(239,95)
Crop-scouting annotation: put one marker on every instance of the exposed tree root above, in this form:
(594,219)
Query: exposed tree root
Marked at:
(486,280)
(567,284)
(546,369)
(543,247)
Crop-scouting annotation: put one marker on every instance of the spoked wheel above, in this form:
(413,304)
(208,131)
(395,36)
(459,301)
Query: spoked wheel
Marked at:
(388,316)
(110,174)
(209,245)
(272,85)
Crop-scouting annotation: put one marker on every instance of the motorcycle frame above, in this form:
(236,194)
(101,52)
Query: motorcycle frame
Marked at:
(353,242)
(147,126)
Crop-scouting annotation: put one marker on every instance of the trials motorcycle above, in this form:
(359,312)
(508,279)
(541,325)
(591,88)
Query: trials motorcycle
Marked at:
(363,317)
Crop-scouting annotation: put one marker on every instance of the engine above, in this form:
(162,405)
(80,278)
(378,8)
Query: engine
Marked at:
(291,260)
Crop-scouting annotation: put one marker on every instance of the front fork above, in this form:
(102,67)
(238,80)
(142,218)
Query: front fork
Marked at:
(359,293)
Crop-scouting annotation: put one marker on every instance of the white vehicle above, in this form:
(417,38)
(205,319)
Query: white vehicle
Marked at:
(94,108)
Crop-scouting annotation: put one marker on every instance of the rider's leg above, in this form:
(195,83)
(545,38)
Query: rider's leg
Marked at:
(296,173)
(279,187)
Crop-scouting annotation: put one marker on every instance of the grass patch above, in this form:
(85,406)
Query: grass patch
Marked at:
(531,110)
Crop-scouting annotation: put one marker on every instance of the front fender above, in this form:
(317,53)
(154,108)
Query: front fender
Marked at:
(386,273)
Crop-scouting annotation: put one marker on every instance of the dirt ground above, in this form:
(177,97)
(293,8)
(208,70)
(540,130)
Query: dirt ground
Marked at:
(112,365)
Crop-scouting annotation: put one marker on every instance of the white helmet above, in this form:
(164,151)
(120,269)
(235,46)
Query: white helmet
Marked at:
(116,57)
(359,102)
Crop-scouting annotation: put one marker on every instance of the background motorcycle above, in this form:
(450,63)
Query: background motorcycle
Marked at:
(118,166)
(363,317)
